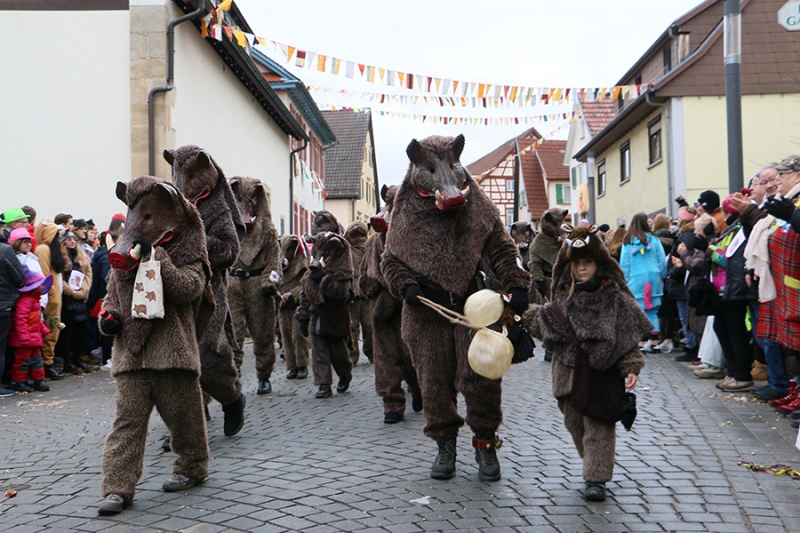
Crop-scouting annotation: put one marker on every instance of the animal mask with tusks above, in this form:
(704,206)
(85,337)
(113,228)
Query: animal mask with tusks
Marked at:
(578,243)
(436,171)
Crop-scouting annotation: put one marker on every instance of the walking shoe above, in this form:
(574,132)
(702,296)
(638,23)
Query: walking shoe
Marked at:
(112,504)
(770,395)
(19,387)
(180,482)
(760,389)
(791,407)
(689,356)
(736,386)
(796,423)
(292,374)
(486,457)
(264,386)
(5,393)
(647,347)
(666,346)
(727,380)
(444,466)
(50,372)
(694,364)
(595,492)
(234,417)
(392,417)
(709,372)
(165,444)
(548,356)
(40,386)
(302,372)
(788,397)
(416,404)
(795,415)
(324,392)
(106,365)
(344,384)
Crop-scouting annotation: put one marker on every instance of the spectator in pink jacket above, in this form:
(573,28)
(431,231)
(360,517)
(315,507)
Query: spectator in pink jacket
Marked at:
(27,333)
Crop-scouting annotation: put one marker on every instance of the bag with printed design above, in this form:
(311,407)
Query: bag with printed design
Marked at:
(148,291)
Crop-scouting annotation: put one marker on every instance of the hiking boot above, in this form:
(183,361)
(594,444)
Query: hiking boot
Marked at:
(50,372)
(19,386)
(787,397)
(302,372)
(344,384)
(736,386)
(292,374)
(180,482)
(486,457)
(324,392)
(234,417)
(112,504)
(264,386)
(444,466)
(40,386)
(392,417)
(595,492)
(416,404)
(790,407)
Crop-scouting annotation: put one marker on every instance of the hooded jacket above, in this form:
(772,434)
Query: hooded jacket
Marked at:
(11,278)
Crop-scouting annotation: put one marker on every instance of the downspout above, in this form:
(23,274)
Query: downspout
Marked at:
(517,165)
(151,112)
(668,153)
(291,184)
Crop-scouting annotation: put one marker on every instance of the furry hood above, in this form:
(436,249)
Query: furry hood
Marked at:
(45,231)
(246,190)
(356,234)
(336,271)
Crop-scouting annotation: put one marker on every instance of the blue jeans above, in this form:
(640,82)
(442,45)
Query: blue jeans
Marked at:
(683,313)
(777,378)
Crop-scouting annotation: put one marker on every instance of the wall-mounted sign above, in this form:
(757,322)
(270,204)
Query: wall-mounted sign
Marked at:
(789,15)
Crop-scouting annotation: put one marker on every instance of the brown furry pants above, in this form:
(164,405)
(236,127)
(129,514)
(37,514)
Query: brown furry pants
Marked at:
(439,353)
(327,351)
(176,396)
(250,309)
(361,321)
(218,375)
(49,347)
(392,363)
(295,346)
(594,440)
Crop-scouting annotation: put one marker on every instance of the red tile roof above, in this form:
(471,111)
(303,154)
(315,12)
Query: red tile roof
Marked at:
(551,158)
(502,152)
(534,185)
(598,114)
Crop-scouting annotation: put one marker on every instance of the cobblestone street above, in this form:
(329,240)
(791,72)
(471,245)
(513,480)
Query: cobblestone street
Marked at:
(303,464)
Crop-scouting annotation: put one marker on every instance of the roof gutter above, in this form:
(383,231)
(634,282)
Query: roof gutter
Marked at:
(151,114)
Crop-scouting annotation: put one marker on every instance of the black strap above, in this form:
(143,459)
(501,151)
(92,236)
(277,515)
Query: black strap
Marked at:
(239,273)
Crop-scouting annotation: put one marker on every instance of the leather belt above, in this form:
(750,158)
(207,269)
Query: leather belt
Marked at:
(239,273)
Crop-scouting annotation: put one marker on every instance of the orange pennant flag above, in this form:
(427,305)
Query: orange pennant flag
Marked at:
(402,77)
(290,52)
(261,41)
(616,92)
(321,59)
(229,32)
(481,89)
(240,38)
(225,5)
(455,86)
(361,68)
(203,28)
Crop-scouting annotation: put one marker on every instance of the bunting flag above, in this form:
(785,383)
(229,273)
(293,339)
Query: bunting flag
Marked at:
(225,5)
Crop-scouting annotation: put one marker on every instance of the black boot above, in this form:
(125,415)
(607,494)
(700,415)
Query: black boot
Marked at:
(548,356)
(165,444)
(324,392)
(689,356)
(40,385)
(344,384)
(302,372)
(595,492)
(264,386)
(50,372)
(444,466)
(292,374)
(486,457)
(234,417)
(208,414)
(416,404)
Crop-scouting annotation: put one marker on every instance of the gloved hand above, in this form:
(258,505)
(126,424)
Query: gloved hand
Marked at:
(110,322)
(316,275)
(541,286)
(519,300)
(782,209)
(145,244)
(268,291)
(304,327)
(411,293)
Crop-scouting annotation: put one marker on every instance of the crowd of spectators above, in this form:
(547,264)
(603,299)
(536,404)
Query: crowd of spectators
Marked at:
(52,282)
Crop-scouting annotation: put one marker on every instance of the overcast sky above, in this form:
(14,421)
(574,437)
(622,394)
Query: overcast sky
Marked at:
(532,43)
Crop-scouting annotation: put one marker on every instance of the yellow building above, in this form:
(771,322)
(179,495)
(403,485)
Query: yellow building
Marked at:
(670,139)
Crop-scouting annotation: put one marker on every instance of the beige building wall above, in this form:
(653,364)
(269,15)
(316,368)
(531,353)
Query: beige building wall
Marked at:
(770,131)
(65,124)
(341,209)
(365,205)
(645,191)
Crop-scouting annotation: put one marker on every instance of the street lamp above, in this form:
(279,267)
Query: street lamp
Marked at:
(733,92)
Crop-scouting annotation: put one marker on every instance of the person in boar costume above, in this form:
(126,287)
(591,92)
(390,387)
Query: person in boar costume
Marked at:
(589,294)
(542,254)
(391,356)
(202,182)
(360,308)
(252,287)
(446,238)
(323,314)
(294,263)
(156,362)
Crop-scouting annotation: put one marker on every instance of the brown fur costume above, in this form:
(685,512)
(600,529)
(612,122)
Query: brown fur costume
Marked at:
(544,249)
(251,294)
(156,362)
(321,302)
(45,232)
(441,250)
(391,355)
(203,183)
(608,323)
(360,308)
(294,262)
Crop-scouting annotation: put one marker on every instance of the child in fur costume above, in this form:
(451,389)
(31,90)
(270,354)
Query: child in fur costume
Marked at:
(589,288)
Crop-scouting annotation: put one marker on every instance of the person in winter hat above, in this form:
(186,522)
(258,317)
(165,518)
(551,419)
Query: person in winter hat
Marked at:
(589,287)
(28,332)
(709,202)
(22,243)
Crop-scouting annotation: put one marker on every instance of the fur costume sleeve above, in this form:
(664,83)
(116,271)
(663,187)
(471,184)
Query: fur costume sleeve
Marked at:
(630,363)
(397,274)
(303,311)
(335,287)
(505,260)
(535,262)
(181,285)
(273,264)
(529,320)
(222,243)
(370,286)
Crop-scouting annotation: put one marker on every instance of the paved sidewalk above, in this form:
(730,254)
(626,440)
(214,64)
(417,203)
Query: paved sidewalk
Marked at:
(318,466)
